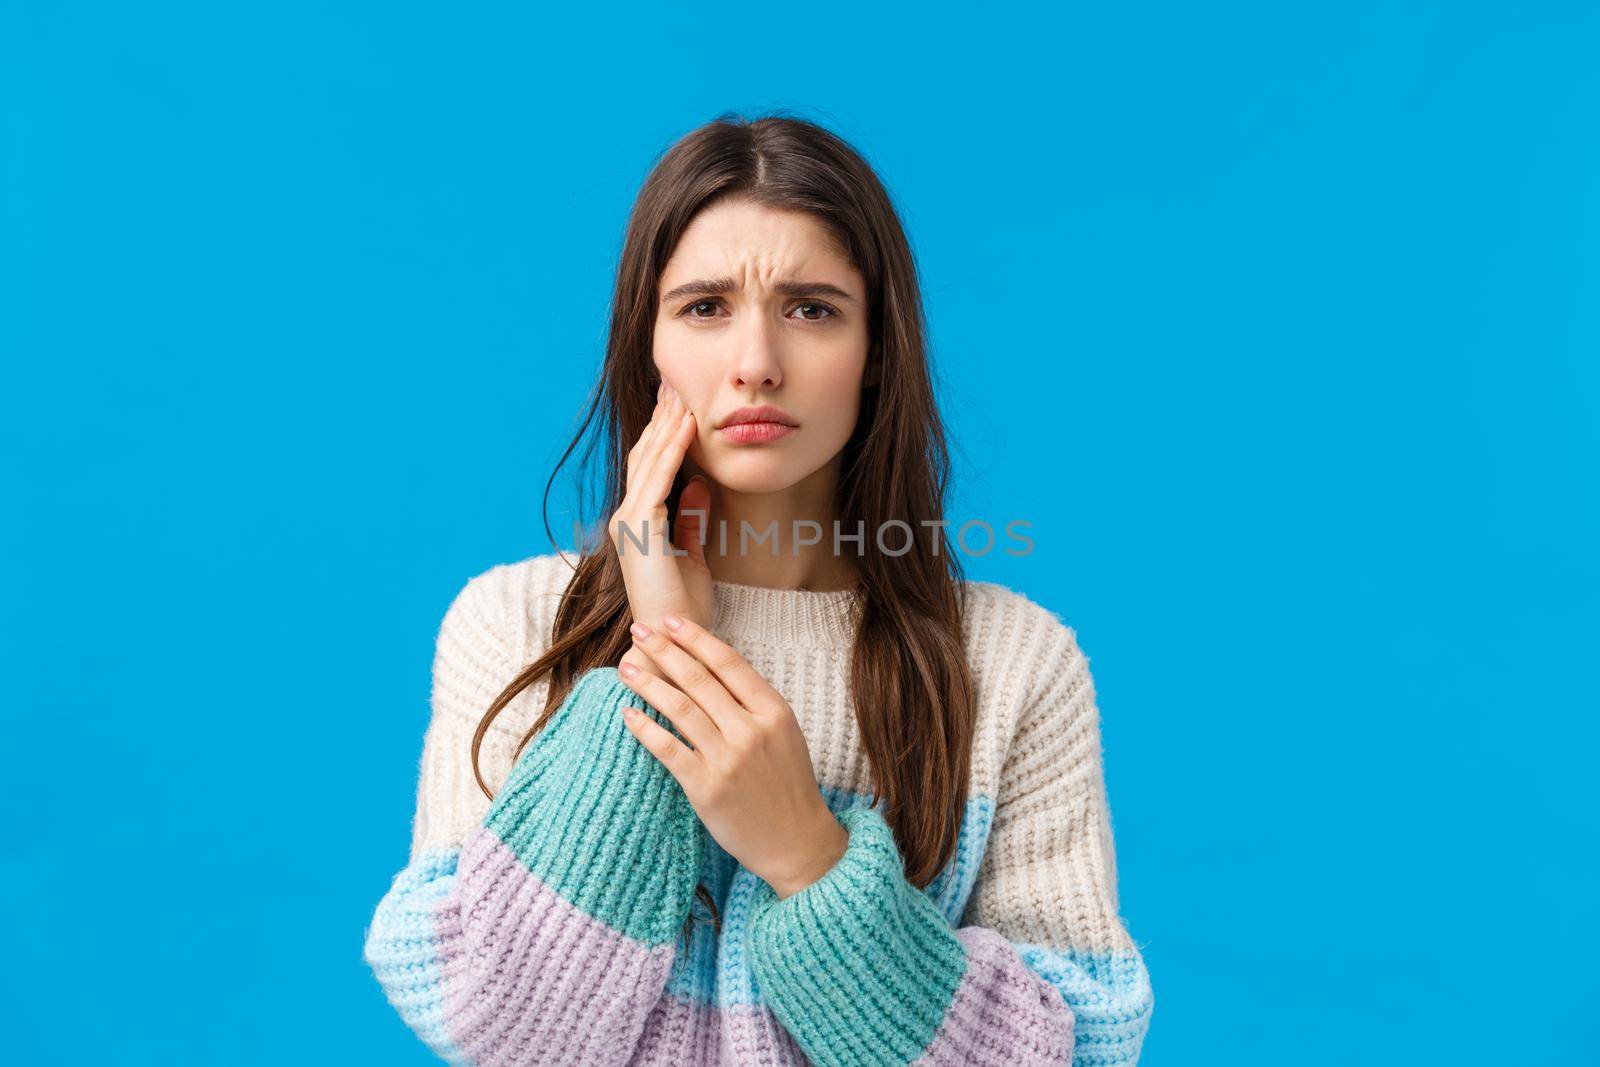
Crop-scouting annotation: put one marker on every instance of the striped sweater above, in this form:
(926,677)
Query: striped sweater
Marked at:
(544,927)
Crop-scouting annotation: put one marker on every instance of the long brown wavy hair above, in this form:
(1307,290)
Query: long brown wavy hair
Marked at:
(910,681)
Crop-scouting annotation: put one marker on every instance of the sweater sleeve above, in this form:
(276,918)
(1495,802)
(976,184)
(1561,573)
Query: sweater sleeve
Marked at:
(544,929)
(863,968)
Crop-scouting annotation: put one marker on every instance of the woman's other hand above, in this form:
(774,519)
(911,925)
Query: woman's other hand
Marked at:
(662,576)
(749,775)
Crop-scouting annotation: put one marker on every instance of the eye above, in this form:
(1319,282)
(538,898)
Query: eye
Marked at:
(832,312)
(690,307)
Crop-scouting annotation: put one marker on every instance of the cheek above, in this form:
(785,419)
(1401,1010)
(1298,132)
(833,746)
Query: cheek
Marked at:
(836,398)
(689,372)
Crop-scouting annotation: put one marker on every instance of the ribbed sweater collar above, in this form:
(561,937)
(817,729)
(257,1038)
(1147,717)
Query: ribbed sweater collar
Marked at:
(796,617)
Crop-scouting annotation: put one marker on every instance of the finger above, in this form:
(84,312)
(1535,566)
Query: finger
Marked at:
(679,709)
(644,447)
(637,494)
(663,466)
(650,472)
(694,505)
(695,680)
(642,457)
(671,410)
(734,674)
(682,762)
(636,658)
(659,418)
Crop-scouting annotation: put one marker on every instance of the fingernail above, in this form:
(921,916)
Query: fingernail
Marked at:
(629,712)
(640,630)
(672,621)
(661,389)
(627,670)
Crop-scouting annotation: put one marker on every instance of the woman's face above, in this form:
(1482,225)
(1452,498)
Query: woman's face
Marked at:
(759,306)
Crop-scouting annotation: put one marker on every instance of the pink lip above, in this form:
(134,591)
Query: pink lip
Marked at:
(757,413)
(755,433)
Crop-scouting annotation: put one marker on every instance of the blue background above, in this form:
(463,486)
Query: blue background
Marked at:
(1280,325)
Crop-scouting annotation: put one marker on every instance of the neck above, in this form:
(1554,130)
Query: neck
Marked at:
(777,563)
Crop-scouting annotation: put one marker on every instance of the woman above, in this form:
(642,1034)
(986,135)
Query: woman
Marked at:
(861,816)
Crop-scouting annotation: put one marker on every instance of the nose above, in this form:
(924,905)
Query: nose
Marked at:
(758,362)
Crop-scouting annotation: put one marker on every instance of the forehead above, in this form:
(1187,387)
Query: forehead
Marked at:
(741,239)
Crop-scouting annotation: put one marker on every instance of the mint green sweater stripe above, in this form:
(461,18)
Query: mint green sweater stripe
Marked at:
(859,966)
(595,816)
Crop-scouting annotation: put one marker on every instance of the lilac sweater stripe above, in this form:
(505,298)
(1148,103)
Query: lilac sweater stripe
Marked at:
(528,975)
(1002,1012)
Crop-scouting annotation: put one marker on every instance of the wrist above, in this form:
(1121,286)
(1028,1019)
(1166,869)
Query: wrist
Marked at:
(825,848)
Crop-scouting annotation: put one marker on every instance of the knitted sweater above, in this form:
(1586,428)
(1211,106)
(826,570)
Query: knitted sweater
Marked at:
(545,927)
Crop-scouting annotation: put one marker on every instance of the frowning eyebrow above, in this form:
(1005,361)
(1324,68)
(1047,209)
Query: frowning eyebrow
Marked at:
(715,286)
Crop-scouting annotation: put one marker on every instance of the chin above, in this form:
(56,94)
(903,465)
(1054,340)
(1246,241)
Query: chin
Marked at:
(755,474)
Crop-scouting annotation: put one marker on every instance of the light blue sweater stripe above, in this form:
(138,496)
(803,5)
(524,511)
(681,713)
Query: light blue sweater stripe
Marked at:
(402,948)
